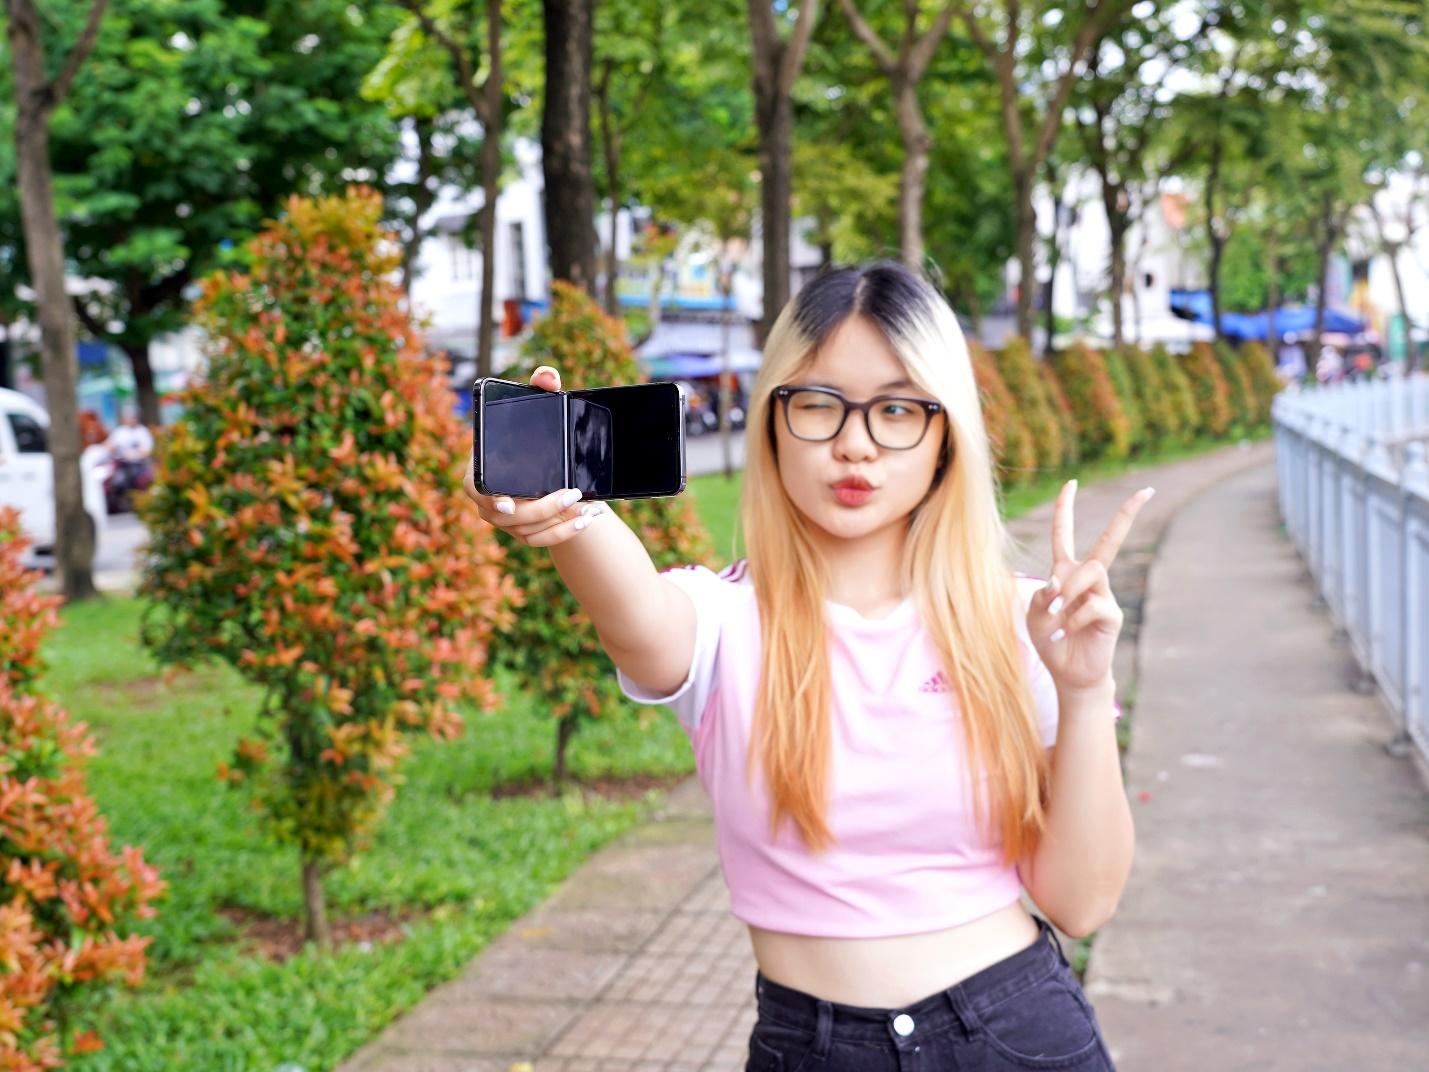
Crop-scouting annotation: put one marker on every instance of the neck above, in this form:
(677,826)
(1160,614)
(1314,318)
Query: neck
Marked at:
(865,573)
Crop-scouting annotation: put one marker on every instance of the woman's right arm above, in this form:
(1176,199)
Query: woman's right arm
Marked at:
(645,623)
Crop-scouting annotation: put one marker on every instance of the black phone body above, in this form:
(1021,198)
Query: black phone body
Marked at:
(611,442)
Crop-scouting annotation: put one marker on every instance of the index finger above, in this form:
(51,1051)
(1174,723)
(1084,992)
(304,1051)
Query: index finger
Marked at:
(1110,541)
(1062,547)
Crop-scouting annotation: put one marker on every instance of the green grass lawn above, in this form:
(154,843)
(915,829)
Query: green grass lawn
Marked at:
(451,866)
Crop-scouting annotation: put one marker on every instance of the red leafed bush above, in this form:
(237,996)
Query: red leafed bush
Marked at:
(65,895)
(557,651)
(1209,389)
(307,526)
(1012,447)
(1020,371)
(1103,430)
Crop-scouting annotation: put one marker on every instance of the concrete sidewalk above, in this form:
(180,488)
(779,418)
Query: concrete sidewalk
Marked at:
(1278,910)
(635,964)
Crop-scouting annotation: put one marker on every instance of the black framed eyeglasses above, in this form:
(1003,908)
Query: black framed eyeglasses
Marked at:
(894,422)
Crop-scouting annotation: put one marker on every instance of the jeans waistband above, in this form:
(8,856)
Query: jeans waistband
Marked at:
(946,1009)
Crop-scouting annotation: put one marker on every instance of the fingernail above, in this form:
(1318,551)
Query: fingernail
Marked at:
(581,522)
(506,506)
(1056,606)
(1058,635)
(543,368)
(1148,492)
(571,497)
(1073,483)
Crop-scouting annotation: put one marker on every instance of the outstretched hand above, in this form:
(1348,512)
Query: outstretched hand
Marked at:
(1074,619)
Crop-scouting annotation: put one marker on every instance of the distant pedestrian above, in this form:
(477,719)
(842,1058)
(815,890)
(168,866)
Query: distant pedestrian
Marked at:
(898,734)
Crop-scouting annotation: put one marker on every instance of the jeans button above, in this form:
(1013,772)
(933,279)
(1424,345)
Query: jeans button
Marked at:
(903,1024)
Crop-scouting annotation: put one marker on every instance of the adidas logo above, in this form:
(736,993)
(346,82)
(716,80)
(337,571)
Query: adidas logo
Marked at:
(937,683)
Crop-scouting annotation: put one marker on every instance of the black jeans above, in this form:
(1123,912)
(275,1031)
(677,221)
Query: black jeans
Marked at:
(1027,1011)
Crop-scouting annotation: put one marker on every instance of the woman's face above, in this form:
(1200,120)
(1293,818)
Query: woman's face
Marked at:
(858,362)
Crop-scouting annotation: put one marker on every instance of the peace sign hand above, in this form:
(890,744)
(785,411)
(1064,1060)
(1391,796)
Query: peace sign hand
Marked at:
(1074,619)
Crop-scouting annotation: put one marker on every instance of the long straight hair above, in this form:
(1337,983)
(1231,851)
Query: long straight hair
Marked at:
(957,561)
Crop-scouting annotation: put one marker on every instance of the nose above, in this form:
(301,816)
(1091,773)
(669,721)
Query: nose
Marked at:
(853,442)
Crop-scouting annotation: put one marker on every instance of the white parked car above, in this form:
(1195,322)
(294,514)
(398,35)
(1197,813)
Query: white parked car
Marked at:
(27,471)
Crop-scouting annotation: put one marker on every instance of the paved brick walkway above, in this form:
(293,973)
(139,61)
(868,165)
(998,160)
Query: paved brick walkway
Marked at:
(635,964)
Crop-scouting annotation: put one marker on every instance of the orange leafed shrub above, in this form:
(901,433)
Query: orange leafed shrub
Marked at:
(1103,430)
(1011,445)
(308,527)
(554,648)
(65,896)
(1178,389)
(1020,372)
(1209,389)
(1261,368)
(1062,414)
(1241,390)
(1158,408)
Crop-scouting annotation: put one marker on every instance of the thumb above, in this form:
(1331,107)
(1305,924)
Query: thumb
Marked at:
(546,378)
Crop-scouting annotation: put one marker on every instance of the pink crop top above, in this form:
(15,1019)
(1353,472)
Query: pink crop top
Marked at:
(907,857)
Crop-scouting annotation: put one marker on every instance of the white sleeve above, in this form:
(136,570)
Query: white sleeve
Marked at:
(1044,689)
(709,595)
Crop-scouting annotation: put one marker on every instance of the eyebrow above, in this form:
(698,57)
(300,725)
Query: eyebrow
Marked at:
(882,387)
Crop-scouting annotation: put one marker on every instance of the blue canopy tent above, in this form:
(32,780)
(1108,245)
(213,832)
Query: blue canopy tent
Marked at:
(1195,305)
(693,366)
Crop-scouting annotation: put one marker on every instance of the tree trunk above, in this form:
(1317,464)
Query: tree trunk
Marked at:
(726,397)
(917,145)
(610,149)
(1054,256)
(776,65)
(776,133)
(1215,236)
(44,248)
(1118,283)
(6,378)
(565,142)
(486,318)
(1025,221)
(315,927)
(145,392)
(492,90)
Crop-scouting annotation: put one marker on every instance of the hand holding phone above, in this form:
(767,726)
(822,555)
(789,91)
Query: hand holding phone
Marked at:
(542,522)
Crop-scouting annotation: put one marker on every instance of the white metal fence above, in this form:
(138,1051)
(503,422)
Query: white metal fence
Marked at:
(1354,493)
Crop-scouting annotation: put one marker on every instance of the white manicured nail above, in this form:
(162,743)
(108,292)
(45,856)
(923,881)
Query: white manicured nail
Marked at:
(571,497)
(506,506)
(581,522)
(1056,606)
(1058,635)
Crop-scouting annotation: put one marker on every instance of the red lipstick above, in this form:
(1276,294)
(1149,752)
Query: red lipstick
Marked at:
(853,491)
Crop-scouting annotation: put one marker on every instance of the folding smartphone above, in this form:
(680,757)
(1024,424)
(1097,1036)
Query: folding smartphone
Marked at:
(611,442)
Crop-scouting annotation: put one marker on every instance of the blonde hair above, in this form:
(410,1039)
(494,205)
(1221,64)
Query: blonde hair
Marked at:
(957,562)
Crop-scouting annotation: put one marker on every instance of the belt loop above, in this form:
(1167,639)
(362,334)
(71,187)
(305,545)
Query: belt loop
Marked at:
(963,1010)
(824,1031)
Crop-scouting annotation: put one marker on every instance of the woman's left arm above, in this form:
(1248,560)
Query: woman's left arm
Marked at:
(1081,864)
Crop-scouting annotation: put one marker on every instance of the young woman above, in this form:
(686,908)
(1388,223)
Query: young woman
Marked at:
(897,733)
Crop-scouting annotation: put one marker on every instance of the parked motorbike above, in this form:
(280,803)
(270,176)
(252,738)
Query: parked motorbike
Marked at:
(122,479)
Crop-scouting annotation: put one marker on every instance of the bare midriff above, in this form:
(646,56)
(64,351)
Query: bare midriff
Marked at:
(891,972)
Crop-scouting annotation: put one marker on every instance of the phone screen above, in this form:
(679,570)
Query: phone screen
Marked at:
(647,446)
(522,442)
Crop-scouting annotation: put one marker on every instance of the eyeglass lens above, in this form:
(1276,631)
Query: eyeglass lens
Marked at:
(894,424)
